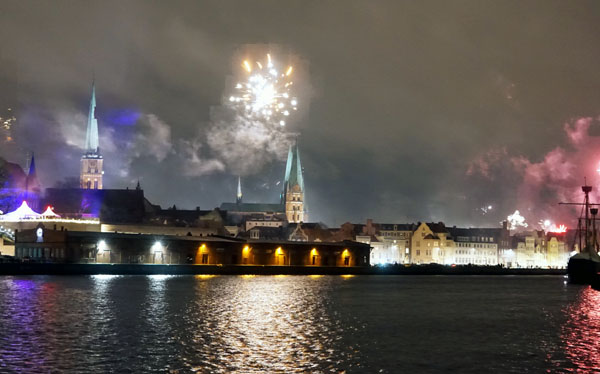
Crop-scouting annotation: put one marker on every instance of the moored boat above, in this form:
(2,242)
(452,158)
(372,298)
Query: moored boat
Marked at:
(583,267)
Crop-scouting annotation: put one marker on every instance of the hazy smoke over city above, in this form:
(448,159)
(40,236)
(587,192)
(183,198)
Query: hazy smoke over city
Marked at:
(441,112)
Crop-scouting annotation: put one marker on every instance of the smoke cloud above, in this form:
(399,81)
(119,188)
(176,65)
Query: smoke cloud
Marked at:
(236,142)
(556,177)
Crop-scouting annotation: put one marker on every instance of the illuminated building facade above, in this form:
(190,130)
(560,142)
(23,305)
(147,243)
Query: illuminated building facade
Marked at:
(556,253)
(92,162)
(390,242)
(46,244)
(476,246)
(430,243)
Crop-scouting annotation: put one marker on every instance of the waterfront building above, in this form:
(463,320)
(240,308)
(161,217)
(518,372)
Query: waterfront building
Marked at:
(557,255)
(390,242)
(42,244)
(91,172)
(529,249)
(430,243)
(475,246)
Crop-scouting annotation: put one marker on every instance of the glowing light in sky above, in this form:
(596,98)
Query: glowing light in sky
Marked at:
(266,94)
(516,220)
(548,226)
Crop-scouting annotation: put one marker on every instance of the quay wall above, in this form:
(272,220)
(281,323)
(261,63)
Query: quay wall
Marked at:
(19,268)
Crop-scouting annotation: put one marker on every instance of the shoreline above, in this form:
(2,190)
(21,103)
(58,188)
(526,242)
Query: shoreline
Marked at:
(146,269)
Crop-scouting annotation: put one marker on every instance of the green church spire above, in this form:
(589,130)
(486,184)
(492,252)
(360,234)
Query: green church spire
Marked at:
(91,139)
(293,169)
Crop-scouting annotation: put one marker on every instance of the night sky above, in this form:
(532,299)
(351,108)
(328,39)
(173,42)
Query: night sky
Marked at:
(426,110)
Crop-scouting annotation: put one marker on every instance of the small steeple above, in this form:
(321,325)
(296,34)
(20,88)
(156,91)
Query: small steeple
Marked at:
(31,166)
(239,191)
(138,187)
(91,140)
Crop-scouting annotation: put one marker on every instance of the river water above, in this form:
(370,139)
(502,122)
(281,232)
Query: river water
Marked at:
(274,324)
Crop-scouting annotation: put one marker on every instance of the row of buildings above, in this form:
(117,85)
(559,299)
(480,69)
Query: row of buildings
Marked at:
(81,224)
(425,243)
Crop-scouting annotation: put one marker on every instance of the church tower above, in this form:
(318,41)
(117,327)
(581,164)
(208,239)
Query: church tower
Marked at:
(293,187)
(91,161)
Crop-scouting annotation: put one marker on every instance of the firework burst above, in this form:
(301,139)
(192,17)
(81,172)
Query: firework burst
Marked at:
(266,94)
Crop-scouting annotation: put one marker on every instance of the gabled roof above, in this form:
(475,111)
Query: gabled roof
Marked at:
(437,227)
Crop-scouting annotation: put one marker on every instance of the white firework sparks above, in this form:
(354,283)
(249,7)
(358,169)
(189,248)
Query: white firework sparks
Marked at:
(516,220)
(266,94)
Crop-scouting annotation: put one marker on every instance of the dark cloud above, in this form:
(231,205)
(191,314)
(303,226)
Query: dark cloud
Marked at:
(418,110)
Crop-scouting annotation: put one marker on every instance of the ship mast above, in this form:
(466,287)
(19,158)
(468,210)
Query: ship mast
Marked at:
(586,191)
(587,239)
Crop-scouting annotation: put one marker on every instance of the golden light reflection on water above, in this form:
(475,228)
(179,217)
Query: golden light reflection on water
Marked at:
(265,326)
(581,332)
(347,276)
(205,276)
(247,276)
(315,276)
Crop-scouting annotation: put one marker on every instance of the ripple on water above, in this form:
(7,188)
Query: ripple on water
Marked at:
(296,324)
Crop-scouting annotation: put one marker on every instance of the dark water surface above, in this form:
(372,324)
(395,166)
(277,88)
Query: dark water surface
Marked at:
(246,324)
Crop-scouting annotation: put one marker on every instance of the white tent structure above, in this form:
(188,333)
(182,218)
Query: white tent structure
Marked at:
(21,213)
(49,213)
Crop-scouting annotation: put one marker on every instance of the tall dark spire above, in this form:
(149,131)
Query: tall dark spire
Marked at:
(32,184)
(91,139)
(31,166)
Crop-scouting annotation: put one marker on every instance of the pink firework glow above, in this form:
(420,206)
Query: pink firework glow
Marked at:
(540,183)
